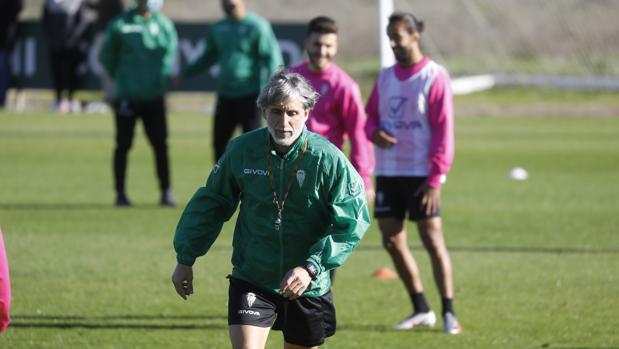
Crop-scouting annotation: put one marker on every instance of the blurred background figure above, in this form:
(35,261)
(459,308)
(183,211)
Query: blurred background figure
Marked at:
(339,113)
(64,23)
(8,29)
(106,10)
(138,51)
(411,122)
(244,46)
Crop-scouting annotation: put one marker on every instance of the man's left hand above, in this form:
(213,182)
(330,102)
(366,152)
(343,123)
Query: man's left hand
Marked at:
(431,200)
(294,283)
(371,196)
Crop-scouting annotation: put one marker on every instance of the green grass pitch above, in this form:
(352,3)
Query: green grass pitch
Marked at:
(536,262)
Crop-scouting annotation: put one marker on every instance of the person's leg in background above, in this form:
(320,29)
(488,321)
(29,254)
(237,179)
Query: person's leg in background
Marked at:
(125,119)
(57,68)
(155,126)
(431,234)
(73,57)
(5,76)
(225,123)
(390,213)
(248,113)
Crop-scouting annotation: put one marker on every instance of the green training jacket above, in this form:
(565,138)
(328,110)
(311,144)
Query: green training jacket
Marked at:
(247,53)
(324,217)
(138,53)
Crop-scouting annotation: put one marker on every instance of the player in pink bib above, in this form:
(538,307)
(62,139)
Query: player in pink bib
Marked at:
(411,122)
(339,113)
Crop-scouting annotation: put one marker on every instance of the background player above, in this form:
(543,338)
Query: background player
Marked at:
(411,121)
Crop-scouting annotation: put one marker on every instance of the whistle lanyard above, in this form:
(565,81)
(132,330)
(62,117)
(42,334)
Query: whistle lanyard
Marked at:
(280,207)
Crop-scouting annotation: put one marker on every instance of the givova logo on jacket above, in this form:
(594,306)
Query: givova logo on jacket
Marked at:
(255,172)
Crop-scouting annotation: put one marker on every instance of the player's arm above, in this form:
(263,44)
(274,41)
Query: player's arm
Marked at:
(441,117)
(171,47)
(349,222)
(355,120)
(202,220)
(79,26)
(373,131)
(108,56)
(269,52)
(349,218)
(206,59)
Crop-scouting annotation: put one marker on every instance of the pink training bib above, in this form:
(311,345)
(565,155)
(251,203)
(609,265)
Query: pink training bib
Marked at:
(5,287)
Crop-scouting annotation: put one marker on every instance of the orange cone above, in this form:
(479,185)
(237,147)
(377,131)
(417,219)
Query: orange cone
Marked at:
(385,273)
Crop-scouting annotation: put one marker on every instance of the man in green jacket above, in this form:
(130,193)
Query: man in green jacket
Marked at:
(137,52)
(244,46)
(303,211)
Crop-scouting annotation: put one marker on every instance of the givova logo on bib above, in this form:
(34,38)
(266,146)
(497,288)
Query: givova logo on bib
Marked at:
(396,107)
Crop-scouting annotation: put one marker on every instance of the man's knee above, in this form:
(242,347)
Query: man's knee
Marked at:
(432,236)
(393,233)
(160,146)
(394,242)
(123,146)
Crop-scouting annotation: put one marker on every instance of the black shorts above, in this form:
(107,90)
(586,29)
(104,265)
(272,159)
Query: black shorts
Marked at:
(305,321)
(395,195)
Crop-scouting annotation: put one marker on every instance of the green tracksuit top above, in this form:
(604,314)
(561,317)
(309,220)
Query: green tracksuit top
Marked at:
(324,218)
(138,53)
(247,53)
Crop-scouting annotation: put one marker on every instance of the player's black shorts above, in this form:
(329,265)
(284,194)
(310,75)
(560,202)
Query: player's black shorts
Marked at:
(305,321)
(396,195)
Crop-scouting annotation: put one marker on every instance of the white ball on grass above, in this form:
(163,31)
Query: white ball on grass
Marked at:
(518,174)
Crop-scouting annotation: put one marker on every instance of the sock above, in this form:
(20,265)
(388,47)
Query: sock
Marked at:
(419,303)
(448,305)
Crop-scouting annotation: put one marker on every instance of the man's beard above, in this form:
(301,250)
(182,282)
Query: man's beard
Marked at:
(229,9)
(288,141)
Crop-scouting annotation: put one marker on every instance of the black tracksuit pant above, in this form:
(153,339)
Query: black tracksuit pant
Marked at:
(153,115)
(64,66)
(229,113)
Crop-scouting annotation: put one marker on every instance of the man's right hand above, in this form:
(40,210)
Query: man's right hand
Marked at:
(182,278)
(384,139)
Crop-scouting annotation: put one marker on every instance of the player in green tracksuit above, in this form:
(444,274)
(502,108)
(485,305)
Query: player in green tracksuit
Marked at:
(303,211)
(244,46)
(137,52)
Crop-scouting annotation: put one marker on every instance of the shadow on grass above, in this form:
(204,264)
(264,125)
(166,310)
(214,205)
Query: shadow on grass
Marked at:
(513,249)
(77,206)
(159,322)
(485,249)
(380,328)
(115,326)
(119,317)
